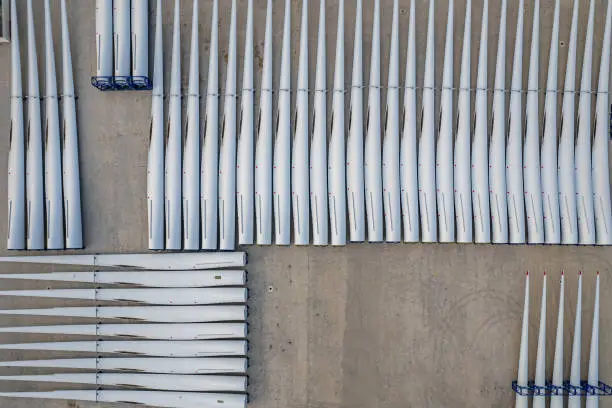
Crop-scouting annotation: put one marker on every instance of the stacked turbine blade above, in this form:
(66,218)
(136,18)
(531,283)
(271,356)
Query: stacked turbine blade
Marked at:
(181,341)
(44,198)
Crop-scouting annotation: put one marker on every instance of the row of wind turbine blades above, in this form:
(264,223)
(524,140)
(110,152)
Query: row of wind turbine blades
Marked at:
(356,175)
(558,389)
(44,195)
(122,31)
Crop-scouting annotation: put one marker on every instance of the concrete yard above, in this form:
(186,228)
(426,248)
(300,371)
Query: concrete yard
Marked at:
(363,326)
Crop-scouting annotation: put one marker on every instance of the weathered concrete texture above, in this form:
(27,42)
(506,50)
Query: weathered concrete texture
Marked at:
(366,326)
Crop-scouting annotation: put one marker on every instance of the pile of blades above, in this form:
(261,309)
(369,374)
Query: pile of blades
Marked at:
(185,330)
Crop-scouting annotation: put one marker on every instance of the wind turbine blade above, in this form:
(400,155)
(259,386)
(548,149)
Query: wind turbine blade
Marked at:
(462,159)
(263,149)
(282,171)
(158,331)
(174,296)
(584,181)
(150,279)
(318,143)
(299,156)
(556,401)
(497,147)
(531,153)
(354,147)
(408,149)
(151,398)
(574,401)
(522,401)
(34,149)
(153,314)
(539,401)
(191,154)
(566,166)
(121,33)
(337,152)
(514,147)
(227,152)
(53,154)
(16,161)
(427,154)
(210,151)
(140,38)
(444,147)
(391,141)
(550,179)
(162,382)
(372,155)
(244,163)
(592,401)
(154,348)
(600,160)
(167,261)
(104,38)
(73,227)
(480,159)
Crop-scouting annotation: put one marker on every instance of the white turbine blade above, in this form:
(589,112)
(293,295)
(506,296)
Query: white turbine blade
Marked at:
(154,348)
(210,152)
(592,401)
(150,398)
(299,157)
(550,180)
(161,382)
(153,314)
(531,153)
(556,401)
(168,261)
(155,163)
(263,149)
(600,160)
(427,154)
(73,227)
(337,153)
(391,141)
(539,401)
(16,161)
(104,38)
(151,365)
(444,146)
(565,164)
(480,150)
(174,296)
(462,159)
(318,143)
(227,151)
(372,155)
(244,160)
(584,180)
(514,148)
(174,143)
(53,153)
(191,154)
(121,34)
(408,149)
(497,147)
(34,151)
(140,38)
(158,331)
(574,401)
(151,279)
(354,145)
(282,172)
(522,401)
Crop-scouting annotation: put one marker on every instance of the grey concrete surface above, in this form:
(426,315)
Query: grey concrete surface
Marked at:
(365,326)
